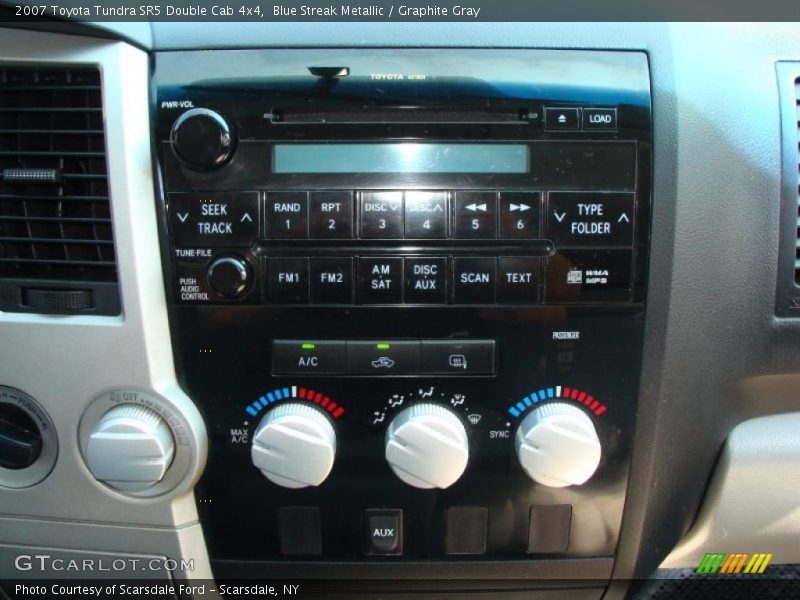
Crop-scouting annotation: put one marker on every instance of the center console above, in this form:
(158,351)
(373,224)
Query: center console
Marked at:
(407,293)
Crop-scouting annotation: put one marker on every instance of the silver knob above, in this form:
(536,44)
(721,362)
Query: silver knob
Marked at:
(427,446)
(130,448)
(557,445)
(294,446)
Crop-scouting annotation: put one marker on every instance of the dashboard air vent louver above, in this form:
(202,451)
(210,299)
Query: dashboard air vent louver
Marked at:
(56,236)
(797,188)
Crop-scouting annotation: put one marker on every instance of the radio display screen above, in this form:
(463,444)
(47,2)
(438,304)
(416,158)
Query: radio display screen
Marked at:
(400,158)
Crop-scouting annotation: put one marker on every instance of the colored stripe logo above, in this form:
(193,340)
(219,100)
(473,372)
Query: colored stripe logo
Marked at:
(734,563)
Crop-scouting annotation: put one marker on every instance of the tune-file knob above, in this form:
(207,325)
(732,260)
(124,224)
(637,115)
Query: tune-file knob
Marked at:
(427,446)
(557,445)
(294,446)
(130,448)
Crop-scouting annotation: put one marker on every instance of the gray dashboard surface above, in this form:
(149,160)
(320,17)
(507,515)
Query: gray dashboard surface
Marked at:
(711,329)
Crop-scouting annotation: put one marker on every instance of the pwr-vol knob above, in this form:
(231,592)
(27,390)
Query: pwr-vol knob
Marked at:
(130,448)
(294,446)
(202,139)
(427,446)
(557,445)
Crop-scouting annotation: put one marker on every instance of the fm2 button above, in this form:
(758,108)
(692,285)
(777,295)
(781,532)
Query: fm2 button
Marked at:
(383,532)
(214,219)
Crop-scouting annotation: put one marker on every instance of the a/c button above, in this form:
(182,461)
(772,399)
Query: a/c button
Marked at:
(290,357)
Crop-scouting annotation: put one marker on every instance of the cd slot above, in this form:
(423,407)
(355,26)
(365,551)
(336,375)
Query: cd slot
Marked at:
(401,114)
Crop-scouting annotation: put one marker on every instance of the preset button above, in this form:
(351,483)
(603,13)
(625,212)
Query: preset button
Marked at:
(426,215)
(476,215)
(381,215)
(287,215)
(331,214)
(519,215)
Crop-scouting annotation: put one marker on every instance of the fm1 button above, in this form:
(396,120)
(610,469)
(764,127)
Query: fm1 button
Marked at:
(287,215)
(383,532)
(288,280)
(380,280)
(590,218)
(426,280)
(291,357)
(518,280)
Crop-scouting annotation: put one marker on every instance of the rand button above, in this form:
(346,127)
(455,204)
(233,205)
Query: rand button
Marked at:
(287,215)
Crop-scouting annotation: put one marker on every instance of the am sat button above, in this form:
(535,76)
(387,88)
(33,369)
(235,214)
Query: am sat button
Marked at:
(461,357)
(383,531)
(297,357)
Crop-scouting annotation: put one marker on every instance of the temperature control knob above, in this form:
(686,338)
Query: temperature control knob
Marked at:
(130,448)
(557,445)
(294,446)
(202,139)
(427,446)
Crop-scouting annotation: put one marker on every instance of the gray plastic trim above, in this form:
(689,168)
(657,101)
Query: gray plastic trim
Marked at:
(67,361)
(751,504)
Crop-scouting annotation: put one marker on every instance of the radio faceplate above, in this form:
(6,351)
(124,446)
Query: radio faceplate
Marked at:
(391,295)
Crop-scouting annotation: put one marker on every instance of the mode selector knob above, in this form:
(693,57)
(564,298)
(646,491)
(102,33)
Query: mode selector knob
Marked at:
(557,445)
(130,448)
(229,276)
(427,446)
(202,139)
(294,446)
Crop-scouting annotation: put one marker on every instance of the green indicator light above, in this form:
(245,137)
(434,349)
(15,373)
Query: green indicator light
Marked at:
(383,346)
(309,346)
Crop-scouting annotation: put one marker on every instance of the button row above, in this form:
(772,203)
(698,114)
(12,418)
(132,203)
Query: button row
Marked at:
(220,219)
(409,280)
(383,358)
(466,530)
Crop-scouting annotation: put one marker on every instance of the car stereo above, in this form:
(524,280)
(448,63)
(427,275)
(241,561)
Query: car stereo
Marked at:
(407,291)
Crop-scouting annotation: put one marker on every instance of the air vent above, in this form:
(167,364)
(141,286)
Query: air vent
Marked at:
(797,181)
(55,216)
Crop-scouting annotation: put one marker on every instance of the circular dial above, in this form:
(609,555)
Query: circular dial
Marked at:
(130,448)
(229,276)
(427,446)
(20,438)
(557,445)
(202,139)
(294,446)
